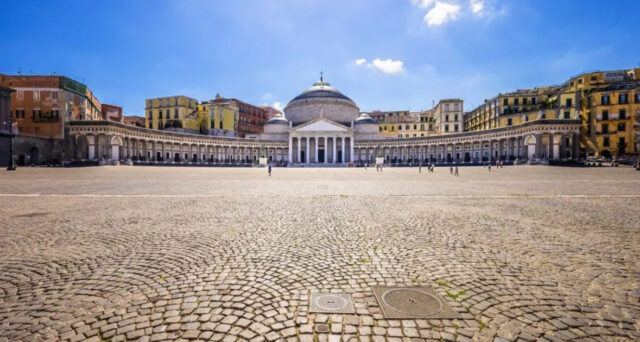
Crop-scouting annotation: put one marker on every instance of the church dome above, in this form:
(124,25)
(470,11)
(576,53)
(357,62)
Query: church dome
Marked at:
(278,119)
(364,118)
(322,89)
(321,101)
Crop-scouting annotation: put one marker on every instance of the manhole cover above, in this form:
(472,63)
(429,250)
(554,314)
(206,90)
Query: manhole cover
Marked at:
(331,303)
(412,302)
(322,328)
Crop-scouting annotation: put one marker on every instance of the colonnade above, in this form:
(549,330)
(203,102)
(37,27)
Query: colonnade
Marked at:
(318,149)
(538,146)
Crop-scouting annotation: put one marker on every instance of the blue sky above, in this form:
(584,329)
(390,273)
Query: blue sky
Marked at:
(384,54)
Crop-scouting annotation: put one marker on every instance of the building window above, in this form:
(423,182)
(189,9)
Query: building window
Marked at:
(19,113)
(446,107)
(605,115)
(568,102)
(623,99)
(399,127)
(622,127)
(622,114)
(638,98)
(175,113)
(36,95)
(509,122)
(594,78)
(446,118)
(54,95)
(455,107)
(605,128)
(160,114)
(455,117)
(505,102)
(516,101)
(455,127)
(446,128)
(567,114)
(605,142)
(604,100)
(415,126)
(406,127)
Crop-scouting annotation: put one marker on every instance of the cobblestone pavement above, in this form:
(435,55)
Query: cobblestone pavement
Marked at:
(155,254)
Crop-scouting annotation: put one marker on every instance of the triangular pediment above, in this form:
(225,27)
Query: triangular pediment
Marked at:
(321,125)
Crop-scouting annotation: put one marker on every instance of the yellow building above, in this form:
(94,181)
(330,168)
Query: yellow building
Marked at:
(404,124)
(519,107)
(607,103)
(609,108)
(224,118)
(168,112)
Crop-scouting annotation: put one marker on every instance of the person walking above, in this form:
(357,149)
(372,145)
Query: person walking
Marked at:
(420,168)
(269,170)
(450,170)
(489,166)
(456,171)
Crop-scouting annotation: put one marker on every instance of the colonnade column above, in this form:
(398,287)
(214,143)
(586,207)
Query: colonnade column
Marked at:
(344,156)
(315,139)
(335,160)
(290,149)
(307,157)
(326,150)
(351,147)
(299,150)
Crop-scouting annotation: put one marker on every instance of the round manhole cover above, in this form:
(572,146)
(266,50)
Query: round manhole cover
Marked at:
(412,302)
(330,302)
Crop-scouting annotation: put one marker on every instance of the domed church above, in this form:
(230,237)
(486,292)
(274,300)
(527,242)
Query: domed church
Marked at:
(321,125)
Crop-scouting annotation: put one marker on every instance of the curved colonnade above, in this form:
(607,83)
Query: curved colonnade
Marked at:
(105,140)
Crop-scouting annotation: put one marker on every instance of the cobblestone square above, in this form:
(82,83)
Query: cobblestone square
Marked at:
(521,253)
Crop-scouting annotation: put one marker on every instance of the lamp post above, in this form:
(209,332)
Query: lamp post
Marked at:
(13,126)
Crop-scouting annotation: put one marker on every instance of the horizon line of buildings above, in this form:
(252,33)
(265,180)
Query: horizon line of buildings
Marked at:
(606,102)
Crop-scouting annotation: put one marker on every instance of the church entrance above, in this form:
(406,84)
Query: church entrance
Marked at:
(340,157)
(303,157)
(320,156)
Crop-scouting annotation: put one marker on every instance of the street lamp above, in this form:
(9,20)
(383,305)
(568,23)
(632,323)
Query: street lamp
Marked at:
(13,126)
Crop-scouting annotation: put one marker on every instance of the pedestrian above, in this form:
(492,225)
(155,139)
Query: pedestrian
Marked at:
(420,168)
(489,166)
(456,172)
(451,170)
(269,170)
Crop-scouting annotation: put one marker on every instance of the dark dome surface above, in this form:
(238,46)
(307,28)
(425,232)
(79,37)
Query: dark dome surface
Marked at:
(322,89)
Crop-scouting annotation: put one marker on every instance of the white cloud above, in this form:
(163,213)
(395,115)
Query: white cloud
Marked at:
(360,61)
(387,66)
(278,106)
(441,13)
(477,6)
(423,3)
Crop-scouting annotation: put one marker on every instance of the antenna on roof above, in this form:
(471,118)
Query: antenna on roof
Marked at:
(321,79)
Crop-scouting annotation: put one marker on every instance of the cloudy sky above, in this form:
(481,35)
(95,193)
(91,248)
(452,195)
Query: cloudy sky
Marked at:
(384,54)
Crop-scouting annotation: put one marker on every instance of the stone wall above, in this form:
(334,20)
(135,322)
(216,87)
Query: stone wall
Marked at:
(31,150)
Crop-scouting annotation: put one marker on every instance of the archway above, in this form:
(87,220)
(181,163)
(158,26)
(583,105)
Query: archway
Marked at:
(34,156)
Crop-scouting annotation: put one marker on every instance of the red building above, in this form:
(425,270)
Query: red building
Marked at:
(111,112)
(251,119)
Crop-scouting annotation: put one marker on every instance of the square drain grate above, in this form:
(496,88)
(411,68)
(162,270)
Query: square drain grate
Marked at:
(322,302)
(412,302)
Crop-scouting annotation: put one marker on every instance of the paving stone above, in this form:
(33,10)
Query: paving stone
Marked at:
(526,252)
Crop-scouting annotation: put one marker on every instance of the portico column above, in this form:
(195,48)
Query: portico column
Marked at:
(344,156)
(335,160)
(290,149)
(299,149)
(306,153)
(352,148)
(315,139)
(326,150)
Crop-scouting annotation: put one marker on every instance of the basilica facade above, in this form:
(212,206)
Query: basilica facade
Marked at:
(322,126)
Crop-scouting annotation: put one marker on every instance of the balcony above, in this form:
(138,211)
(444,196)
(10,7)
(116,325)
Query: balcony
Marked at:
(45,118)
